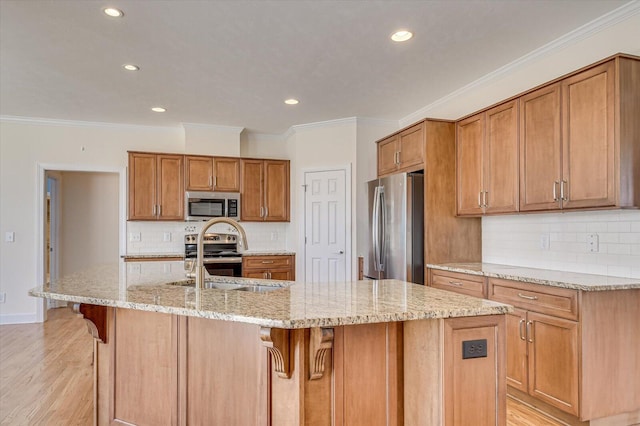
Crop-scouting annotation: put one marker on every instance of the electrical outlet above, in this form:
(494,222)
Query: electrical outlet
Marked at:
(10,236)
(474,349)
(190,228)
(135,237)
(166,237)
(167,268)
(544,241)
(3,297)
(593,243)
(135,268)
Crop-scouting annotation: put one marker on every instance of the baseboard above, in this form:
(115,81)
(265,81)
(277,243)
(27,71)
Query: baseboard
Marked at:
(6,319)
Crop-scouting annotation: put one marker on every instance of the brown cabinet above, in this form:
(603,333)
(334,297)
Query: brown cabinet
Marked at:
(487,161)
(274,267)
(203,173)
(156,186)
(542,341)
(471,285)
(402,152)
(578,148)
(265,190)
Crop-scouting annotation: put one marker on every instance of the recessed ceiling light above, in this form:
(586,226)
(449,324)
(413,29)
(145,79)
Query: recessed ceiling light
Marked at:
(131,67)
(113,12)
(291,101)
(158,109)
(402,35)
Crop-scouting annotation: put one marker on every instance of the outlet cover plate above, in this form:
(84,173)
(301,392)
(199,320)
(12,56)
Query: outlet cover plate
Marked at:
(474,349)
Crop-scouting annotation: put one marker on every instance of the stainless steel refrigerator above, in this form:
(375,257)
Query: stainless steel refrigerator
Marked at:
(396,228)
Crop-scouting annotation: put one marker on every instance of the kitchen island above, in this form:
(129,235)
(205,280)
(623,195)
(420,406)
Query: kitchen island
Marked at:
(281,353)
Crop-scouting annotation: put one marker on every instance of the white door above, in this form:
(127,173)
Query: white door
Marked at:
(326,239)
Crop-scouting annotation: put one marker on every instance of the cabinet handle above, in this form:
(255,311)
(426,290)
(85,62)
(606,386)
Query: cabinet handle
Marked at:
(555,195)
(480,199)
(485,197)
(264,275)
(562,197)
(210,181)
(524,296)
(159,210)
(520,329)
(399,156)
(530,331)
(269,274)
(267,262)
(266,212)
(456,283)
(215,181)
(261,211)
(153,212)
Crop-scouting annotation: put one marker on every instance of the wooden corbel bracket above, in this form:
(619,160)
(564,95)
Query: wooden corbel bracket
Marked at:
(277,342)
(320,342)
(96,318)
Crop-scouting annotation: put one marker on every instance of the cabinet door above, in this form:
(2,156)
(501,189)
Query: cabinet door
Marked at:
(588,138)
(517,350)
(255,274)
(553,361)
(226,174)
(276,190)
(170,187)
(411,146)
(500,175)
(252,201)
(198,173)
(469,142)
(540,149)
(387,156)
(142,186)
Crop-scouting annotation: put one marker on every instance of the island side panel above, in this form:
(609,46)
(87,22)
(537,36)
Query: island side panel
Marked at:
(224,367)
(144,368)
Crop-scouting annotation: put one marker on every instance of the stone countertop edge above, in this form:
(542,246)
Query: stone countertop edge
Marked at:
(267,253)
(547,277)
(152,256)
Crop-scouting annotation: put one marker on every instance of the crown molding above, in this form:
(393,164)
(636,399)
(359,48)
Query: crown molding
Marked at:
(601,23)
(328,123)
(78,123)
(229,129)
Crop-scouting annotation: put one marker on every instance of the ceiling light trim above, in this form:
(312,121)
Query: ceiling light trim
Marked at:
(116,13)
(599,24)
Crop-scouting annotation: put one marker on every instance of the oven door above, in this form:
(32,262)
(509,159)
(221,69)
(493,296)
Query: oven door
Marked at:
(219,266)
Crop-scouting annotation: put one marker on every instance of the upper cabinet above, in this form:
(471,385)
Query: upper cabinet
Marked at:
(264,190)
(487,161)
(203,173)
(577,141)
(156,186)
(402,152)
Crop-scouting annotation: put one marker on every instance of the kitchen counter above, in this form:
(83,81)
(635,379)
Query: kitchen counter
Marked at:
(163,288)
(570,280)
(268,253)
(153,256)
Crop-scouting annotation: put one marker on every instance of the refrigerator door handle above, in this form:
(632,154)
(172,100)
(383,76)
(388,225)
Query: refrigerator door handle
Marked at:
(374,230)
(383,221)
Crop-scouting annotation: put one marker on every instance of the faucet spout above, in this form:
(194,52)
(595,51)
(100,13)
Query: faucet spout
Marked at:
(199,260)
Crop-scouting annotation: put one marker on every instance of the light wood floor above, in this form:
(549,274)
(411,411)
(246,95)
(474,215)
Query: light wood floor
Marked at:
(46,375)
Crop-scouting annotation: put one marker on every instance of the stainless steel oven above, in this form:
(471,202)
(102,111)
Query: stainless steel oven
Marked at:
(220,254)
(206,205)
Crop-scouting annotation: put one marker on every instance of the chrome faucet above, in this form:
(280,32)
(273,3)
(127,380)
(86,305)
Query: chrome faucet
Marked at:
(199,260)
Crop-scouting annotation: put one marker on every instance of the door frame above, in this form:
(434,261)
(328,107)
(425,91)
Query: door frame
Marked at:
(41,217)
(349,237)
(54,229)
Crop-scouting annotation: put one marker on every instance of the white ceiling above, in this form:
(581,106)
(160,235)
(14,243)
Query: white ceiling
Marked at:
(234,62)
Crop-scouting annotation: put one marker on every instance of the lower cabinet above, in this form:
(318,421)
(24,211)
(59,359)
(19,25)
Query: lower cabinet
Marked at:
(278,267)
(570,353)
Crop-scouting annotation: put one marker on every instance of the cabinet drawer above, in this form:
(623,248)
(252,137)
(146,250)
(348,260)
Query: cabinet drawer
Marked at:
(559,302)
(471,285)
(266,262)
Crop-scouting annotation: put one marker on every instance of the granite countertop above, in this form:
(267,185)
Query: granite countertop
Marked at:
(162,287)
(571,280)
(268,253)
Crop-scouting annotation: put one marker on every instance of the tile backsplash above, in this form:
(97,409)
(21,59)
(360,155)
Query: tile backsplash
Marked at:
(151,235)
(598,242)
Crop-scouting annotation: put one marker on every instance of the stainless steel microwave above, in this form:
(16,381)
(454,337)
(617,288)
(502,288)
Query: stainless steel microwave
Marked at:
(207,205)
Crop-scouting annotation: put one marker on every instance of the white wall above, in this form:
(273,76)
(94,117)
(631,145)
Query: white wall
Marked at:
(88,220)
(207,139)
